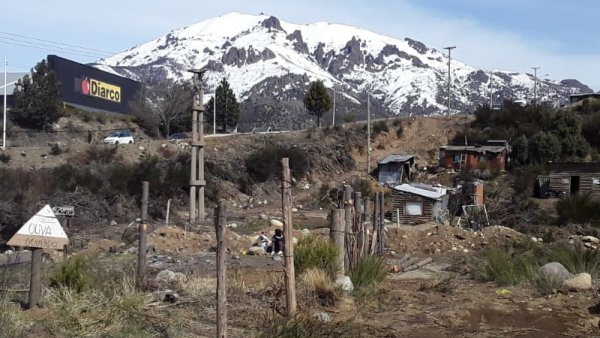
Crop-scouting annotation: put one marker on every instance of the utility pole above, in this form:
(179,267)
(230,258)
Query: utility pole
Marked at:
(449,59)
(333,114)
(535,85)
(491,89)
(4,118)
(215,114)
(197,182)
(368,133)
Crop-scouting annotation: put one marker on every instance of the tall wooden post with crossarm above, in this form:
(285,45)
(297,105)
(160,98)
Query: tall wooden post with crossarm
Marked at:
(197,182)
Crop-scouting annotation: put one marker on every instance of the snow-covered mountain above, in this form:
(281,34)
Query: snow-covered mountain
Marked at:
(269,64)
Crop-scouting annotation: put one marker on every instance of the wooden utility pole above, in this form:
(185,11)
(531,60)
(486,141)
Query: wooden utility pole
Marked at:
(220,220)
(197,182)
(336,236)
(288,246)
(368,133)
(143,227)
(35,286)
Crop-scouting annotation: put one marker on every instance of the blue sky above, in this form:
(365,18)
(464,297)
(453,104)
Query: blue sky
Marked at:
(559,36)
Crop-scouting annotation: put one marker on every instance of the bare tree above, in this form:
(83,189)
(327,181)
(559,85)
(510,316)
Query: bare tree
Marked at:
(165,104)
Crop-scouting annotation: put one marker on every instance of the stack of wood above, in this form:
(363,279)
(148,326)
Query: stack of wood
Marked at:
(351,221)
(407,263)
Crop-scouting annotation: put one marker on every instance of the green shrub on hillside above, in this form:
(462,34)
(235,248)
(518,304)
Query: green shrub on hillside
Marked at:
(368,271)
(71,275)
(265,163)
(578,209)
(313,253)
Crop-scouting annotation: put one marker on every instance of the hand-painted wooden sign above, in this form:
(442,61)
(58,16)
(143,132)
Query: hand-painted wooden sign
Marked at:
(42,230)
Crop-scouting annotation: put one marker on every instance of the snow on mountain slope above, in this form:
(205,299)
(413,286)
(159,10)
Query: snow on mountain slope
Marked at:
(269,62)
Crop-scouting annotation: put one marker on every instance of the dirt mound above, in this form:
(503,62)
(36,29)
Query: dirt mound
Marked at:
(177,241)
(432,238)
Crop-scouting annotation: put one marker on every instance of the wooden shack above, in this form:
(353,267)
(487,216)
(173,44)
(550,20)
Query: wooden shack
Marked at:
(494,152)
(416,203)
(395,169)
(569,178)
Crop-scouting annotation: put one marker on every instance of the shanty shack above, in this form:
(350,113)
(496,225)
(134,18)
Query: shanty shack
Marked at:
(414,203)
(569,178)
(495,153)
(395,169)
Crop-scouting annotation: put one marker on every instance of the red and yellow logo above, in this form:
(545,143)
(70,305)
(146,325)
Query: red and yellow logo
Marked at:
(101,90)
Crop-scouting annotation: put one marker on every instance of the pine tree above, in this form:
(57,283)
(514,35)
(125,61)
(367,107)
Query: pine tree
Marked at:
(37,105)
(228,108)
(317,101)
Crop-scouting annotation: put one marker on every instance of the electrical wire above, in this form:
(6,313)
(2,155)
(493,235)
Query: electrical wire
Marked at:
(104,52)
(54,49)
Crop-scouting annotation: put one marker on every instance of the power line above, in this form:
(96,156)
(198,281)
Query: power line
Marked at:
(47,48)
(105,52)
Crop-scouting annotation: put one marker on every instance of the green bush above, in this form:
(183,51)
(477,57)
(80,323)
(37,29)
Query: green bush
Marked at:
(578,259)
(578,209)
(363,186)
(313,253)
(378,128)
(265,163)
(368,271)
(4,158)
(349,118)
(55,149)
(71,275)
(506,266)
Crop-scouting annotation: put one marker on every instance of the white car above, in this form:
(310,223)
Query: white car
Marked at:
(119,137)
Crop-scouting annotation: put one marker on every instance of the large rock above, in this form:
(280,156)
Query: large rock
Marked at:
(276,223)
(167,278)
(256,250)
(344,283)
(590,239)
(582,281)
(555,272)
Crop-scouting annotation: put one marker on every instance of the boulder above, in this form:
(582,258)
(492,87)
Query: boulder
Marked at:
(169,278)
(256,250)
(323,317)
(555,272)
(344,283)
(168,296)
(277,258)
(579,282)
(264,217)
(305,232)
(276,223)
(590,239)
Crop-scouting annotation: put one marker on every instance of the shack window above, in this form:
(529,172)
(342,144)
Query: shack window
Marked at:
(565,181)
(596,181)
(456,158)
(413,208)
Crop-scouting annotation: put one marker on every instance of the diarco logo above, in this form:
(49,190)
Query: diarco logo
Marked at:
(100,89)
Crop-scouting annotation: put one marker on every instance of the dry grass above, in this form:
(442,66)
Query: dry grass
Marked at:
(318,286)
(12,321)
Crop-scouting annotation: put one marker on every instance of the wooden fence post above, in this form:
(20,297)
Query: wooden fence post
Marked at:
(348,218)
(35,284)
(220,220)
(142,228)
(381,233)
(288,246)
(336,236)
(358,226)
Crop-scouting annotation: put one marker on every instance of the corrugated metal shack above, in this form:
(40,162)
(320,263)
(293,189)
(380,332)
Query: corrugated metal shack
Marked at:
(395,169)
(419,203)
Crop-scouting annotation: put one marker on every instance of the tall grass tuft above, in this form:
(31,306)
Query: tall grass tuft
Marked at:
(368,271)
(313,253)
(507,267)
(320,286)
(12,321)
(578,259)
(310,327)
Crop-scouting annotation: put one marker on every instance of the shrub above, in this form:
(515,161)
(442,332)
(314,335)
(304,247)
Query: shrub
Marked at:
(55,149)
(397,122)
(378,128)
(399,131)
(101,154)
(577,259)
(4,158)
(349,118)
(368,271)
(265,163)
(578,209)
(507,267)
(12,321)
(313,253)
(363,186)
(320,285)
(71,275)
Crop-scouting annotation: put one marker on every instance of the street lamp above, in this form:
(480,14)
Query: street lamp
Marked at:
(333,114)
(4,117)
(449,59)
(535,85)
